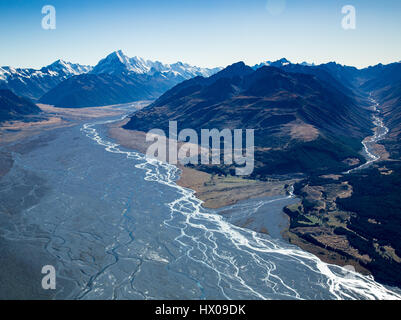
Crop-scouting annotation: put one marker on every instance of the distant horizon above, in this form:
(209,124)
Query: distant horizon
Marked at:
(299,61)
(205,33)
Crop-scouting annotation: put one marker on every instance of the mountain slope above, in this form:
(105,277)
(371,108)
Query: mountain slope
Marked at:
(310,119)
(360,228)
(149,76)
(118,63)
(34,83)
(299,120)
(13,107)
(90,90)
(384,82)
(120,79)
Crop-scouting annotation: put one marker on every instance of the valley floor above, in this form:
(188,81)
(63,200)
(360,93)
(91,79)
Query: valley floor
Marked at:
(320,223)
(215,191)
(353,218)
(222,191)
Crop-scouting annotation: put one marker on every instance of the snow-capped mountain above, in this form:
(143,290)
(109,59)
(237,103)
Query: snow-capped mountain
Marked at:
(68,69)
(117,63)
(278,64)
(139,77)
(307,64)
(283,62)
(57,68)
(120,79)
(33,83)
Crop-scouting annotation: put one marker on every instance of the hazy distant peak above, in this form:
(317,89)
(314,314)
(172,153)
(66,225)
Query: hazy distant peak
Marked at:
(65,68)
(282,60)
(307,64)
(278,63)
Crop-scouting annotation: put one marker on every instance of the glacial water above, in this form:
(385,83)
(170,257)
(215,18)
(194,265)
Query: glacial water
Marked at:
(380,131)
(119,227)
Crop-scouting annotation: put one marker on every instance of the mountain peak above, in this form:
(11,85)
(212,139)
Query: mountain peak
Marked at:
(307,64)
(278,63)
(236,69)
(59,61)
(119,55)
(115,62)
(240,65)
(66,68)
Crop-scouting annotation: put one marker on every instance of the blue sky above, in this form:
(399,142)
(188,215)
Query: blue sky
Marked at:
(201,32)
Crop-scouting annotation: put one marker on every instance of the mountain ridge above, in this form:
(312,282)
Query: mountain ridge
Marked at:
(270,100)
(119,79)
(35,83)
(13,107)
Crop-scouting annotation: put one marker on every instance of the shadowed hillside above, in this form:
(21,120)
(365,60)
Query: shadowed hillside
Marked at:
(13,107)
(303,122)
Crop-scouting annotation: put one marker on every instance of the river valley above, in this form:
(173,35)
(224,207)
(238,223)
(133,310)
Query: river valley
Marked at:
(116,226)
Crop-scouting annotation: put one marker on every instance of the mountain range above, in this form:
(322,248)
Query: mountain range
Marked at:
(309,120)
(32,83)
(300,119)
(127,79)
(118,63)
